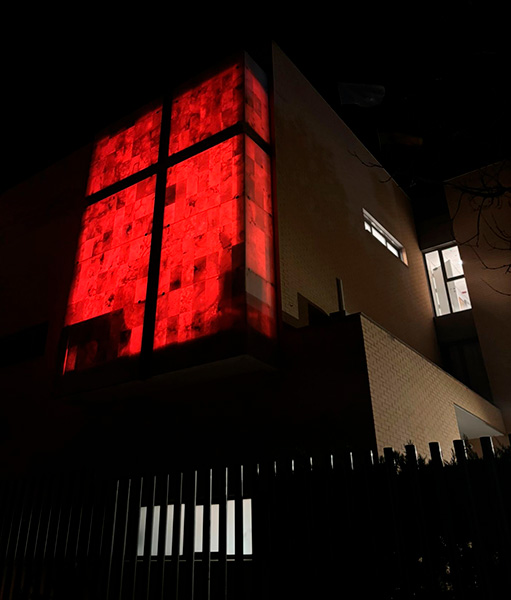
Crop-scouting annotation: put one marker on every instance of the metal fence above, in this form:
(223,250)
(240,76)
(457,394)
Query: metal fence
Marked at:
(315,526)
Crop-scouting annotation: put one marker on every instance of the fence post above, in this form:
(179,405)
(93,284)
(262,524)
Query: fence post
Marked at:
(436,454)
(498,511)
(460,450)
(403,580)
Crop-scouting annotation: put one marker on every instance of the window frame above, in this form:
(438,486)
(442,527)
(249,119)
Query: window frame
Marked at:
(394,246)
(446,279)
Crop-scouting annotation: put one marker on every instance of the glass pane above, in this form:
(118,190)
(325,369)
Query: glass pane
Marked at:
(125,152)
(367,226)
(452,261)
(202,246)
(393,249)
(257,112)
(206,108)
(260,277)
(106,302)
(381,238)
(436,280)
(458,294)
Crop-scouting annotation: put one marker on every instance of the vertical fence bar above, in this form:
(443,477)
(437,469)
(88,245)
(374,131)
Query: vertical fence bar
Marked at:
(111,541)
(190,501)
(418,509)
(237,490)
(32,575)
(500,531)
(176,531)
(403,580)
(149,500)
(444,508)
(262,520)
(135,506)
(223,495)
(207,479)
(124,522)
(18,532)
(473,520)
(163,495)
(27,536)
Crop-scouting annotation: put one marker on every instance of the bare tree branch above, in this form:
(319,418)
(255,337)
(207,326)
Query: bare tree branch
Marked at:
(488,195)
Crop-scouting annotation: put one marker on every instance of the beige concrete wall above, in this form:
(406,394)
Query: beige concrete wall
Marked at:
(489,287)
(321,189)
(413,399)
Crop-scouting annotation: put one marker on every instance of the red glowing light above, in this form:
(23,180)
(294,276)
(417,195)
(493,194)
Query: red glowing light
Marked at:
(216,267)
(202,238)
(109,286)
(257,113)
(217,260)
(260,283)
(207,108)
(126,152)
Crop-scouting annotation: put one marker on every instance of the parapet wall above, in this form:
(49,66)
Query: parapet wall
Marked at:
(413,399)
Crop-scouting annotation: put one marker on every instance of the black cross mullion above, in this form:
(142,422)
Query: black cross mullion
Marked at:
(156,241)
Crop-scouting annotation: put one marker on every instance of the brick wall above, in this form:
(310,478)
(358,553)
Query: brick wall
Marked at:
(413,399)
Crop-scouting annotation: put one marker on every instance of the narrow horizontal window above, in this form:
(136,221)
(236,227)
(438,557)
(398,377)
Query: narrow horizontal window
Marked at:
(384,237)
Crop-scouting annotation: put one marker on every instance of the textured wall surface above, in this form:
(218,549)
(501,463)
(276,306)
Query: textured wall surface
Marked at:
(413,399)
(321,190)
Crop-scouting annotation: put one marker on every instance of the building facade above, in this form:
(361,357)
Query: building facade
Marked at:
(222,274)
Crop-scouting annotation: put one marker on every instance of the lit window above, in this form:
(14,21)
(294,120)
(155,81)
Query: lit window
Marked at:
(384,237)
(448,285)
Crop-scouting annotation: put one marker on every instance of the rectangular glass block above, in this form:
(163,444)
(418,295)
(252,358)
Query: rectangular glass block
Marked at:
(393,249)
(436,280)
(257,113)
(106,304)
(458,293)
(452,261)
(380,237)
(260,278)
(206,108)
(201,287)
(125,152)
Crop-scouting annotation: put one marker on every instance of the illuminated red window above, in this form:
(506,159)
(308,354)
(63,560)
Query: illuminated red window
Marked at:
(216,270)
(257,113)
(106,304)
(126,152)
(202,246)
(207,108)
(260,282)
(217,251)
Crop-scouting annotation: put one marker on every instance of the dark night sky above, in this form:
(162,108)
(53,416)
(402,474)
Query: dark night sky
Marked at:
(446,84)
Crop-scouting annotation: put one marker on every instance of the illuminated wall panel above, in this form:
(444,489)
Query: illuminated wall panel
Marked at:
(260,275)
(257,113)
(126,152)
(106,303)
(216,270)
(201,287)
(207,108)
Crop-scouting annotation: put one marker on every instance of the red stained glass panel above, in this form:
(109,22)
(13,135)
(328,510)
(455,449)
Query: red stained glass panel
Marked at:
(207,108)
(257,113)
(201,287)
(260,282)
(126,152)
(106,305)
